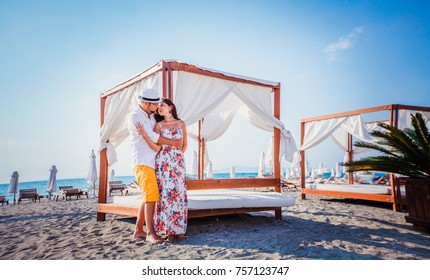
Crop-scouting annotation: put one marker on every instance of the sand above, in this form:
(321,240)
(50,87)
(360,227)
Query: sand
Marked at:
(314,229)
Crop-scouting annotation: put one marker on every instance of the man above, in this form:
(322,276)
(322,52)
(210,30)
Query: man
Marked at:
(144,161)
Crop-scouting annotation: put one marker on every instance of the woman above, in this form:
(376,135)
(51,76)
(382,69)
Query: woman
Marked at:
(172,209)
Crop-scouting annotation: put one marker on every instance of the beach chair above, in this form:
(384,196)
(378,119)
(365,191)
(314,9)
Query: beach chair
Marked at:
(115,186)
(69,191)
(134,185)
(288,185)
(29,194)
(3,200)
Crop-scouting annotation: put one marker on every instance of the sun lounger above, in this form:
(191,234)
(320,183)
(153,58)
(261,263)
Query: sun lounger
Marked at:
(115,186)
(3,200)
(69,191)
(29,194)
(289,185)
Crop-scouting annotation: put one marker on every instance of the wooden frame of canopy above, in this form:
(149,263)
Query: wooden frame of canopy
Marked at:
(393,112)
(166,68)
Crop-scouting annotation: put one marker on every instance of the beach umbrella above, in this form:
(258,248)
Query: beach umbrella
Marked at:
(232,172)
(112,175)
(13,187)
(314,173)
(337,168)
(307,168)
(345,159)
(287,174)
(209,173)
(293,173)
(296,161)
(52,181)
(320,169)
(332,174)
(194,168)
(261,166)
(92,170)
(206,157)
(269,156)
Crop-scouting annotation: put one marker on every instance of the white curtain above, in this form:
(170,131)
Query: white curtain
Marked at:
(338,129)
(196,96)
(355,126)
(318,131)
(405,118)
(258,112)
(117,109)
(199,96)
(340,137)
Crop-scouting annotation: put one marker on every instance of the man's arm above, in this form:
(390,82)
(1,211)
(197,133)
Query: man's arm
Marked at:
(166,141)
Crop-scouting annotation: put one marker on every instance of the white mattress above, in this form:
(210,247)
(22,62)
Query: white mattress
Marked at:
(357,188)
(221,199)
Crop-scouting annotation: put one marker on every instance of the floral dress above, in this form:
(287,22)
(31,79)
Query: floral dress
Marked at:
(172,208)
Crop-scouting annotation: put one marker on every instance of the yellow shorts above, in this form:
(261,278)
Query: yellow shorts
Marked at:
(145,177)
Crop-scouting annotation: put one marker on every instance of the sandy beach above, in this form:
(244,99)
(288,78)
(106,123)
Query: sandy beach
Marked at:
(316,228)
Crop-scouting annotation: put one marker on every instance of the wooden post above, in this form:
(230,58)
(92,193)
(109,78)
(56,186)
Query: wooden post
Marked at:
(199,149)
(276,145)
(103,175)
(169,81)
(394,122)
(202,168)
(164,86)
(302,156)
(350,158)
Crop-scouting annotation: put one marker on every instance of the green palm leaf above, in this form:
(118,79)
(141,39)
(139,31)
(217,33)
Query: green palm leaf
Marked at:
(405,152)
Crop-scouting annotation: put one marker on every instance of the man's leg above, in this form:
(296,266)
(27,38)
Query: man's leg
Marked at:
(148,183)
(149,220)
(138,231)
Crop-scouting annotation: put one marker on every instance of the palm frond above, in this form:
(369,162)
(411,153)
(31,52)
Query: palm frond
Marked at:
(405,152)
(421,131)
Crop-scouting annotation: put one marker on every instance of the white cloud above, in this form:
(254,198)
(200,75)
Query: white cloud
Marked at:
(343,43)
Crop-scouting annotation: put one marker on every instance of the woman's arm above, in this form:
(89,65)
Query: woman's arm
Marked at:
(184,140)
(141,132)
(166,141)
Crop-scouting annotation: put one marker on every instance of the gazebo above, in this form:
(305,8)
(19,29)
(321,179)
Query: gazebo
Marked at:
(204,97)
(343,128)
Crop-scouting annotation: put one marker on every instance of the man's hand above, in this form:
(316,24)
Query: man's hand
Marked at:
(178,144)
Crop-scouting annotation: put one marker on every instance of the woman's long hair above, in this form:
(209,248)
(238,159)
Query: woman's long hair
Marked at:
(169,102)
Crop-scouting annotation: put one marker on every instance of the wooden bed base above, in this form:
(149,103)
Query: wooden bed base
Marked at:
(132,211)
(364,196)
(394,198)
(107,208)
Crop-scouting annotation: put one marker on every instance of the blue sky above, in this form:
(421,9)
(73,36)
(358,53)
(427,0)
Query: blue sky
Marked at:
(56,57)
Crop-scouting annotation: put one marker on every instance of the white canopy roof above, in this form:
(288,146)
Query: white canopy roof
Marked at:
(338,129)
(197,95)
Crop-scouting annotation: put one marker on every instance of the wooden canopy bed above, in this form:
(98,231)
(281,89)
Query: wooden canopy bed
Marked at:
(351,190)
(167,74)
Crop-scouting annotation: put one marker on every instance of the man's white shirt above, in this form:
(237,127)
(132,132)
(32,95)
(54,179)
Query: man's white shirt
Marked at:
(142,154)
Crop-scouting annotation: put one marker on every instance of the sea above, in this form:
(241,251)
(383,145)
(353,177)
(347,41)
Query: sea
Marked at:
(81,183)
